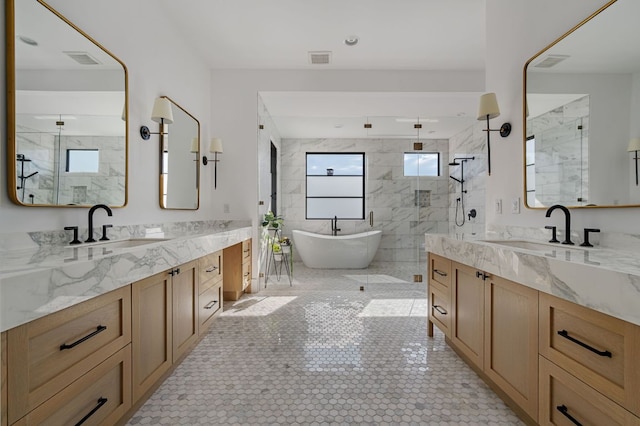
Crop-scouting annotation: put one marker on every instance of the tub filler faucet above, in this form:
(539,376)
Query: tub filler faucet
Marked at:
(334,226)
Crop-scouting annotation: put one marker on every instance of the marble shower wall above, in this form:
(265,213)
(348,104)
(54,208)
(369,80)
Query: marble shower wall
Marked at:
(389,194)
(468,143)
(561,155)
(52,185)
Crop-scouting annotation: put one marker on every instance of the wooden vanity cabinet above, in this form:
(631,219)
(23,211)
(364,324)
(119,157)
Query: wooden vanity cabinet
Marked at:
(237,270)
(439,294)
(185,308)
(210,289)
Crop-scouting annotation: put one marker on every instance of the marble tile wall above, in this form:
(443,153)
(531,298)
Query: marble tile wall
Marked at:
(389,194)
(562,154)
(52,185)
(468,143)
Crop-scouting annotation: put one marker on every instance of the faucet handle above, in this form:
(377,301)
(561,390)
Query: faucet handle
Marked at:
(104,232)
(586,242)
(75,234)
(554,236)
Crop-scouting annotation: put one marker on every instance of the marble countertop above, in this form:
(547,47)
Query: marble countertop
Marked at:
(42,279)
(604,279)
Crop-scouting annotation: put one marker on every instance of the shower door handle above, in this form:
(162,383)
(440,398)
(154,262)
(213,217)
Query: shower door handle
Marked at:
(371,218)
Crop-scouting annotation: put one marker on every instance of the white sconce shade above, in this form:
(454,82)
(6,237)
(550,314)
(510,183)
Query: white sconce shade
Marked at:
(195,145)
(488,106)
(634,145)
(162,112)
(216,145)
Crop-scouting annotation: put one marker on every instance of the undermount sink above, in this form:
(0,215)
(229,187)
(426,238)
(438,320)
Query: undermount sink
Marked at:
(131,242)
(530,245)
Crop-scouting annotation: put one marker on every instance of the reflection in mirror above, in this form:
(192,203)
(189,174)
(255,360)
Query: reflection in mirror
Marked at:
(581,95)
(180,161)
(66,106)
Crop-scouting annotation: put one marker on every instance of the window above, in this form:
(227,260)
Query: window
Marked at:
(335,185)
(83,161)
(422,164)
(530,164)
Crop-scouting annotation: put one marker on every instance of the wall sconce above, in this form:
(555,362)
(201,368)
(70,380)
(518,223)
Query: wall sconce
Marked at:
(634,146)
(161,113)
(216,148)
(489,109)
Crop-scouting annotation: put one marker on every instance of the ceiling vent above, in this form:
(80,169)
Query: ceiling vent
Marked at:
(319,58)
(551,61)
(83,58)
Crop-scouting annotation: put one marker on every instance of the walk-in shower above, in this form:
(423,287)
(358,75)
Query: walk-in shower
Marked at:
(459,161)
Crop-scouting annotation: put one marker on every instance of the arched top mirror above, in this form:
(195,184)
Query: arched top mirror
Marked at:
(581,103)
(66,114)
(180,161)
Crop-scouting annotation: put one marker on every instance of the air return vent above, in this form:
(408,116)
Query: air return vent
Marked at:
(550,61)
(319,58)
(82,58)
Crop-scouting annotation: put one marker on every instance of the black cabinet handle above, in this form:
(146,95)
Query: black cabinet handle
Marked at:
(442,274)
(482,275)
(101,402)
(565,412)
(99,329)
(174,272)
(565,334)
(211,269)
(439,309)
(211,304)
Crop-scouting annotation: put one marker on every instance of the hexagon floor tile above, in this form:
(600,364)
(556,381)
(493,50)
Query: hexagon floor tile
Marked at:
(324,352)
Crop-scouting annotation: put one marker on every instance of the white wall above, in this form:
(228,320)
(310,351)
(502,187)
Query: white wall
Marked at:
(517,30)
(159,62)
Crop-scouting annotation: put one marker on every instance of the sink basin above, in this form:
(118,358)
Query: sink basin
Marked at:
(530,245)
(132,242)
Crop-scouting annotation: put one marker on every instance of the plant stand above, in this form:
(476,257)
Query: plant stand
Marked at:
(275,265)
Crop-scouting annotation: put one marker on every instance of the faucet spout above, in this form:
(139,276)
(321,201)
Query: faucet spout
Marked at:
(567,222)
(91,211)
(334,226)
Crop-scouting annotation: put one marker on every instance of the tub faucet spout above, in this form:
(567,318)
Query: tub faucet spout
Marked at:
(334,226)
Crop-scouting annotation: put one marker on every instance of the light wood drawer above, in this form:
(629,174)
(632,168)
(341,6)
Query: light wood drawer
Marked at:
(210,303)
(46,355)
(598,349)
(101,396)
(440,270)
(210,270)
(439,309)
(246,250)
(563,398)
(246,275)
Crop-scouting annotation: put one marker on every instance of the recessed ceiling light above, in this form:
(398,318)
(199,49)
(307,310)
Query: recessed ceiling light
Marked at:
(351,40)
(27,40)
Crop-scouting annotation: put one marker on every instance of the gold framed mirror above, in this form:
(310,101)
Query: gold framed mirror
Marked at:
(581,97)
(67,138)
(180,161)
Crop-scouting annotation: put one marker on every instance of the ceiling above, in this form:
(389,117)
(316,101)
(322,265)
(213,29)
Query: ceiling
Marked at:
(400,35)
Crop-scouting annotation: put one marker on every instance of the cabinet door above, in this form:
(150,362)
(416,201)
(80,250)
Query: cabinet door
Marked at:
(511,341)
(151,331)
(467,306)
(185,308)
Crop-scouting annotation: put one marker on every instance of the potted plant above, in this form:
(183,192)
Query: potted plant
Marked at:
(277,251)
(272,221)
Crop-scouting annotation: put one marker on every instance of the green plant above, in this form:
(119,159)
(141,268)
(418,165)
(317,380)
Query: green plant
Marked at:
(276,247)
(272,221)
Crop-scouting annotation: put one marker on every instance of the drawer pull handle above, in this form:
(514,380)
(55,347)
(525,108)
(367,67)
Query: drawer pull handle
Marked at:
(440,309)
(247,251)
(247,274)
(101,402)
(211,269)
(442,274)
(211,304)
(565,412)
(99,329)
(565,334)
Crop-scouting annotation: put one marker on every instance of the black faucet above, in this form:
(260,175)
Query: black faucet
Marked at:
(567,222)
(91,211)
(334,226)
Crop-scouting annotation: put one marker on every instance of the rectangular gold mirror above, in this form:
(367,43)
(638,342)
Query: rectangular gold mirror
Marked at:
(66,114)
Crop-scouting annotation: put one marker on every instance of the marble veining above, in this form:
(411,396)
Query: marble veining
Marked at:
(42,276)
(604,279)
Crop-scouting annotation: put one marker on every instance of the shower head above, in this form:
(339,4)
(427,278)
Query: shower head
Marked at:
(454,163)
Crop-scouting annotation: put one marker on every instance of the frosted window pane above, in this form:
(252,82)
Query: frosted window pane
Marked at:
(531,178)
(531,151)
(327,208)
(83,161)
(531,199)
(341,164)
(421,164)
(334,186)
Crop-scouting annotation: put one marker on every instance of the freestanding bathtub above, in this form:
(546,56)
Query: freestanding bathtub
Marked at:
(353,251)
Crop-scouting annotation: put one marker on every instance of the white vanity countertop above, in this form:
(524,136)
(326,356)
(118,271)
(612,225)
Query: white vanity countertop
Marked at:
(35,282)
(604,279)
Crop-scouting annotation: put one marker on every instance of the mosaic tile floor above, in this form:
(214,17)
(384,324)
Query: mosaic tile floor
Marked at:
(323,352)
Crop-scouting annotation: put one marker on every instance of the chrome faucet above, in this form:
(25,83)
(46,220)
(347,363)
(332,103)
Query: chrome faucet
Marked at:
(567,222)
(334,226)
(91,211)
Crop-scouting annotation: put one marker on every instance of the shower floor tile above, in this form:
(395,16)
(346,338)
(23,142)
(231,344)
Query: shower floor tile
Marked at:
(325,352)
